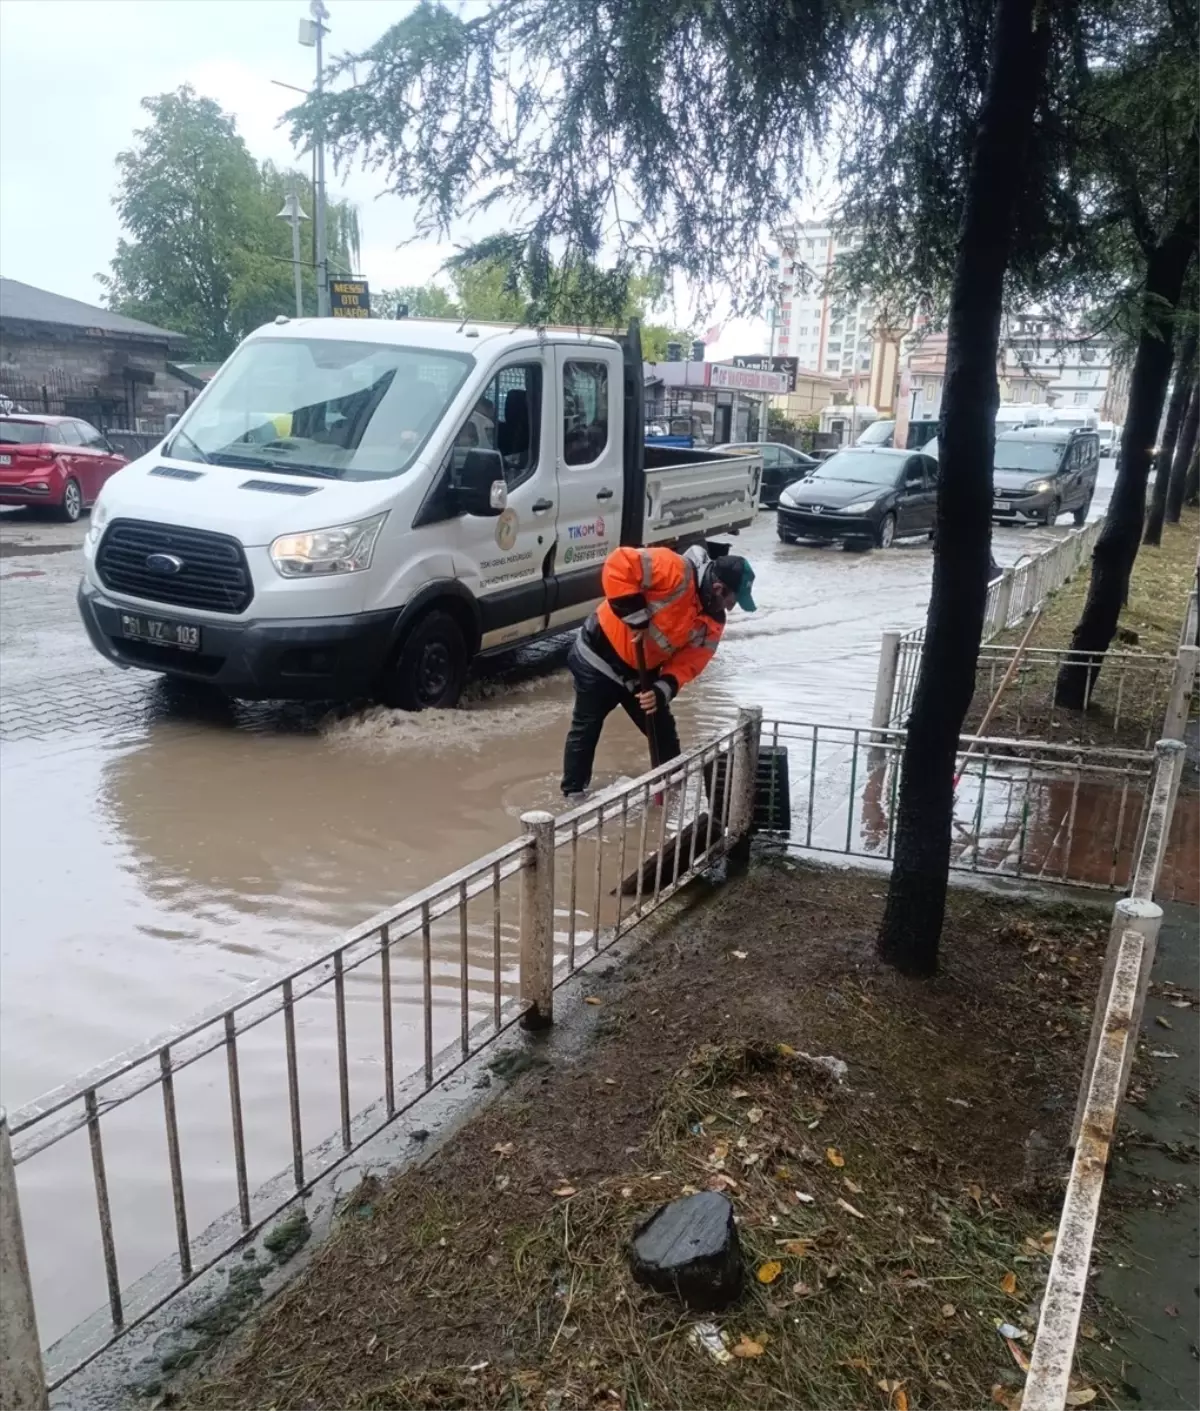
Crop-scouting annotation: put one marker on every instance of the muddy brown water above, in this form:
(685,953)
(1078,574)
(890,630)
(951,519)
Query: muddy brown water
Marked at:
(157,858)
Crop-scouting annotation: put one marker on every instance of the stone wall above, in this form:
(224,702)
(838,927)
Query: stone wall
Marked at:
(103,379)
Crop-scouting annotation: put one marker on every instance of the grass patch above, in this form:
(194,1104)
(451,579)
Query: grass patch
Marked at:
(1127,715)
(907,1208)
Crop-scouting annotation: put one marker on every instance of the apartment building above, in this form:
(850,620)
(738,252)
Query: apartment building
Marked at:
(1075,370)
(828,335)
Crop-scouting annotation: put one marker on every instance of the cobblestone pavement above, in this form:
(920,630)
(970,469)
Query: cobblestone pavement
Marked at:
(55,685)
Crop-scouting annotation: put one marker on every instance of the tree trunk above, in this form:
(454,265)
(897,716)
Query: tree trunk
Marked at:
(1166,449)
(1117,546)
(916,902)
(1183,458)
(1191,485)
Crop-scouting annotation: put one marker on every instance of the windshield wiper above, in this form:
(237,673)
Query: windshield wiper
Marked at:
(199,450)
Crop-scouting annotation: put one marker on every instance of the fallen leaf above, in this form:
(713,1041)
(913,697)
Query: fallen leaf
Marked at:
(1009,1283)
(564,1191)
(1163,1022)
(718,1153)
(1089,1331)
(502,1183)
(1163,1053)
(1181,1004)
(801,1289)
(976,1194)
(860,1362)
(738,1093)
(769,1272)
(626,1192)
(1018,1354)
(1083,1397)
(1010,1400)
(1171,1310)
(754,1115)
(592,999)
(852,1186)
(787,1051)
(1049,1240)
(888,1385)
(722,1182)
(782,1173)
(925,1239)
(504,1148)
(803,1197)
(798,1249)
(948,1310)
(747,1347)
(849,1209)
(834,1156)
(741,955)
(900,1400)
(610,1082)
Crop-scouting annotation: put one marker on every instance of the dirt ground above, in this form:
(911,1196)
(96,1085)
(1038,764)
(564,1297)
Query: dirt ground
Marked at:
(889,1222)
(1158,590)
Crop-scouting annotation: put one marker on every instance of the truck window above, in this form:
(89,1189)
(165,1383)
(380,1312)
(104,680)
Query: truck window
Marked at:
(585,412)
(507,417)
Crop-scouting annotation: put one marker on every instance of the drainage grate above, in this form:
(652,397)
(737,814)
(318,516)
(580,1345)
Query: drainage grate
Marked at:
(772,793)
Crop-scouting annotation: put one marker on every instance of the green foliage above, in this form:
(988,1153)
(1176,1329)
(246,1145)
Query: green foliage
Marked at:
(205,251)
(492,282)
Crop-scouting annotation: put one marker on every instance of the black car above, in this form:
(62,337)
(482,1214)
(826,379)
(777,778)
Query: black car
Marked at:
(781,466)
(864,496)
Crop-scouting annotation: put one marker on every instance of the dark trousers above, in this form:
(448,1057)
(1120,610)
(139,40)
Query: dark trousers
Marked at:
(596,696)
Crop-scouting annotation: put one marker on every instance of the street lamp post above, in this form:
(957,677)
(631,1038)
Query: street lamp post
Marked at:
(294,215)
(312,32)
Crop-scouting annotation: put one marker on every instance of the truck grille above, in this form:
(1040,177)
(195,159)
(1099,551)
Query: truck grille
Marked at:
(214,576)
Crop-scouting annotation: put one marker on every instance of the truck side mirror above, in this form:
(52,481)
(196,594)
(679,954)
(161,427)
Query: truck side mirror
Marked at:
(479,484)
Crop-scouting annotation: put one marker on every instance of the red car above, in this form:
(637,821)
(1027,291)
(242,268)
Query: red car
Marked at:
(56,461)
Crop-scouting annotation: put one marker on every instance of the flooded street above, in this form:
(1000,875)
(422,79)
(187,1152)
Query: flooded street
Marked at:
(158,854)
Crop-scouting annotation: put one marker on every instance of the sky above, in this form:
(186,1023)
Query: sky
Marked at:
(72,76)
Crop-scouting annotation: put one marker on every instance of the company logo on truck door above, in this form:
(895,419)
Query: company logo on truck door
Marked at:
(589,529)
(506,530)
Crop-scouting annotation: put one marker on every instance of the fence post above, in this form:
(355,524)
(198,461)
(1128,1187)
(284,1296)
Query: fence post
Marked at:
(1156,823)
(1182,681)
(885,680)
(537,922)
(22,1377)
(744,782)
(1003,601)
(1129,914)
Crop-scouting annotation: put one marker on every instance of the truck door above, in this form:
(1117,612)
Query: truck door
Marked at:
(590,465)
(509,552)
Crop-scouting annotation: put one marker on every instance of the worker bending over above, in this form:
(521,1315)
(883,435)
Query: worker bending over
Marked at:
(670,608)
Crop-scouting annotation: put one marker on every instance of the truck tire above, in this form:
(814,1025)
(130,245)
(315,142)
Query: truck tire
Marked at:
(431,666)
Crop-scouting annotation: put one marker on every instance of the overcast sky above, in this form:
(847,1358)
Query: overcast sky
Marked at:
(72,75)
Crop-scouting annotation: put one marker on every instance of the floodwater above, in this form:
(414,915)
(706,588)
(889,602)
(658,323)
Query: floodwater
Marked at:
(158,857)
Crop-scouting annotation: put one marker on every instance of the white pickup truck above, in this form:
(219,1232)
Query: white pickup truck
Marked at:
(359,508)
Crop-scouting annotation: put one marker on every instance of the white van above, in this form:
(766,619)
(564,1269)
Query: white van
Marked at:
(358,508)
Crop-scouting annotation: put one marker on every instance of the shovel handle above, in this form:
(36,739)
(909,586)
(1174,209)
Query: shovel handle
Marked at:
(645,684)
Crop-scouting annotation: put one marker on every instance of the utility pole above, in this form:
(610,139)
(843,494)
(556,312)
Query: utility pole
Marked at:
(294,215)
(312,33)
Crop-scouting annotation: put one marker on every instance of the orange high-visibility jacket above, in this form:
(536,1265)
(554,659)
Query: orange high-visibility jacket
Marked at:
(656,590)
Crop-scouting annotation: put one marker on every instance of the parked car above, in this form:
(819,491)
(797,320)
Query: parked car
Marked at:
(879,433)
(864,496)
(782,465)
(56,461)
(1041,471)
(1108,438)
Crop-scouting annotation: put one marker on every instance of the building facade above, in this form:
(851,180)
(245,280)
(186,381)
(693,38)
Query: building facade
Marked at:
(69,358)
(828,335)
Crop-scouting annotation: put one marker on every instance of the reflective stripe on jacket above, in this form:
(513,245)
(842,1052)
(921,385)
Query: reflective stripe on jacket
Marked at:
(656,590)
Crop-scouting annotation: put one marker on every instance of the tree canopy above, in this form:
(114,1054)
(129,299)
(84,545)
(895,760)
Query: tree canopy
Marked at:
(205,252)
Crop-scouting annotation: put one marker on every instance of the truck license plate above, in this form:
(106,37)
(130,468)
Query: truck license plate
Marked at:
(160,632)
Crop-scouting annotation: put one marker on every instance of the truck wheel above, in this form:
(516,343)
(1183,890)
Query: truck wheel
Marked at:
(431,666)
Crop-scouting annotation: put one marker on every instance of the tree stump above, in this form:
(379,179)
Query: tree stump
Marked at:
(690,1248)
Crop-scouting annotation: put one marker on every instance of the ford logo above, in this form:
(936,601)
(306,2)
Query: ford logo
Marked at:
(164,563)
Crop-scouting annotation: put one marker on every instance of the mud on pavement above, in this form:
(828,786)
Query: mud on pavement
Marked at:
(889,1222)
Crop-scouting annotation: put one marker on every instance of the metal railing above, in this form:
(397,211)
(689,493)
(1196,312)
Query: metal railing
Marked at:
(1116,1024)
(483,948)
(1022,809)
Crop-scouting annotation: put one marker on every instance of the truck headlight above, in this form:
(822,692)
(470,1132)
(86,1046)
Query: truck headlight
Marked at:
(99,518)
(345,548)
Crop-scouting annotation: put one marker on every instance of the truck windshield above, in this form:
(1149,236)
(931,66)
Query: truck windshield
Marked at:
(1027,455)
(322,406)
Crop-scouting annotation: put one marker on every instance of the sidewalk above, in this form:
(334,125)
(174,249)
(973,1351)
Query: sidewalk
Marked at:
(1150,1234)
